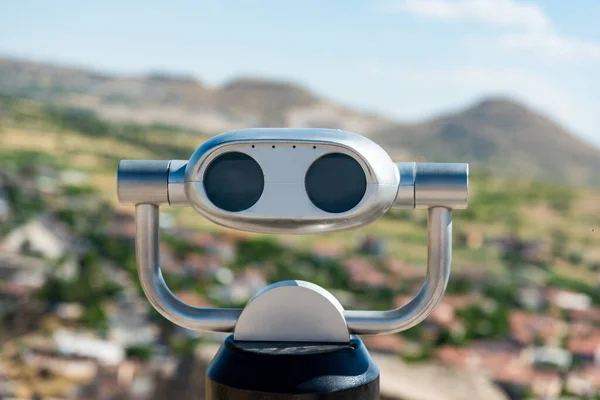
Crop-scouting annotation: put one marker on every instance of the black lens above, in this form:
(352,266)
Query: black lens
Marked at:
(335,183)
(234,181)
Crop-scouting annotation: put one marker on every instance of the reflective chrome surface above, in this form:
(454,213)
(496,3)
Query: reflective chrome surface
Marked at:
(439,254)
(359,145)
(293,311)
(143,181)
(176,187)
(358,322)
(439,187)
(155,288)
(426,185)
(442,185)
(405,198)
(285,156)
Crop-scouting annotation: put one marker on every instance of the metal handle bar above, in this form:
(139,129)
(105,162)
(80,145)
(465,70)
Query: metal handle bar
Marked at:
(438,187)
(439,257)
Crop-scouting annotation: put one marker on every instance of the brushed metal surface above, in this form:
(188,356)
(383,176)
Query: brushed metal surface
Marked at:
(287,311)
(143,181)
(155,288)
(405,198)
(442,185)
(439,254)
(358,322)
(176,185)
(293,311)
(285,156)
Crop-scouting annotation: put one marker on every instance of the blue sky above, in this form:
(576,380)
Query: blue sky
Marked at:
(408,59)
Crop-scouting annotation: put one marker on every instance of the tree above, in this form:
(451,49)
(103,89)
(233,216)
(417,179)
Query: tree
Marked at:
(94,317)
(481,323)
(141,352)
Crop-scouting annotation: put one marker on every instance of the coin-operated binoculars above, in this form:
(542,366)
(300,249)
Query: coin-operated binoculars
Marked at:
(293,340)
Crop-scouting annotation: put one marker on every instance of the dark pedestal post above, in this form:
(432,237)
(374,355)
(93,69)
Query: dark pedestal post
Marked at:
(292,371)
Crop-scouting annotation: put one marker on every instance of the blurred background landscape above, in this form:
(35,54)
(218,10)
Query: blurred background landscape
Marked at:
(510,87)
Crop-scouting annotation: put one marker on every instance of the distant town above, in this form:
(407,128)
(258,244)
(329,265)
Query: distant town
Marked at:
(520,319)
(77,326)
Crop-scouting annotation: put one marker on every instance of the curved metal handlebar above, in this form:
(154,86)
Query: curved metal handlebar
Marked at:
(439,257)
(147,252)
(359,322)
(439,187)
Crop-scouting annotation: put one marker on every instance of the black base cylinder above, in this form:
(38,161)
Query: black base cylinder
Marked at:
(298,371)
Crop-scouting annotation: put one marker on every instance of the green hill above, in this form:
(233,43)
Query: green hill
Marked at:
(503,136)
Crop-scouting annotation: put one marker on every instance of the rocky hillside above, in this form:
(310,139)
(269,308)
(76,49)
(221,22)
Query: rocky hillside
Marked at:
(496,133)
(163,98)
(503,135)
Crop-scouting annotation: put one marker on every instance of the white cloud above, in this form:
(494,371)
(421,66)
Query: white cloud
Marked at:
(550,44)
(513,81)
(529,28)
(493,12)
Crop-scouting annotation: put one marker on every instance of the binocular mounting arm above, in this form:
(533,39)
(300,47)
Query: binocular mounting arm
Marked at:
(439,257)
(162,299)
(437,187)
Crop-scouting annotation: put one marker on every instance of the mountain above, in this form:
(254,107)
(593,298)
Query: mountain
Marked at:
(501,135)
(171,99)
(496,133)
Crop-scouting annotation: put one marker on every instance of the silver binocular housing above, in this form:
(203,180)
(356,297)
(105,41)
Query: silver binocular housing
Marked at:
(292,181)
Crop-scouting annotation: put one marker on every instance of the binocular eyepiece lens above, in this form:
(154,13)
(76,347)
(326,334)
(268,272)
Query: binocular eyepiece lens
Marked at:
(335,183)
(233,181)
